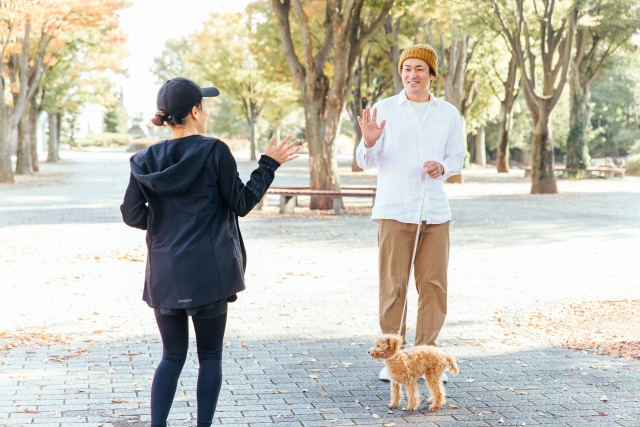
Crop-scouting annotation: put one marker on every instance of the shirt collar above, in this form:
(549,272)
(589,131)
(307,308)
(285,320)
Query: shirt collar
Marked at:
(402,97)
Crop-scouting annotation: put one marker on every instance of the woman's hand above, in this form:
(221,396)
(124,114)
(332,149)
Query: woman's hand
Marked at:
(284,151)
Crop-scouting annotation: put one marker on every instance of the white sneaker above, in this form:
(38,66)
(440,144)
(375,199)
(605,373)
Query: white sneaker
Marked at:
(444,378)
(384,375)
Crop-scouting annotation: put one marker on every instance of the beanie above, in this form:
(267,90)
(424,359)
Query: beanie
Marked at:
(420,51)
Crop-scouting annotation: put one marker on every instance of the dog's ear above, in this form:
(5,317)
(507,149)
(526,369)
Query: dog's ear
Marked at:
(395,342)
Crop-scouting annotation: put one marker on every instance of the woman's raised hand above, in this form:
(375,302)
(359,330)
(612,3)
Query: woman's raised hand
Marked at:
(284,151)
(371,132)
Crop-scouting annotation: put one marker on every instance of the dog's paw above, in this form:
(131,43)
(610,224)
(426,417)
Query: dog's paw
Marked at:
(393,405)
(412,408)
(430,400)
(433,408)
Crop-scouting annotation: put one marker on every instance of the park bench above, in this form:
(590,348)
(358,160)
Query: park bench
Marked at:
(608,172)
(289,195)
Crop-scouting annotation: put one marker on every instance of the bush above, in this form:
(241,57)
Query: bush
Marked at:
(106,139)
(633,165)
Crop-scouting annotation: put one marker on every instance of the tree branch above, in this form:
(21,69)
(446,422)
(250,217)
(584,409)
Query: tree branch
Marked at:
(282,8)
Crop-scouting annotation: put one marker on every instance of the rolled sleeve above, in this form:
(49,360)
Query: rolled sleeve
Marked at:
(454,150)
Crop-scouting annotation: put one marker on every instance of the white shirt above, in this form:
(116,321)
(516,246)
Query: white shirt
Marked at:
(405,145)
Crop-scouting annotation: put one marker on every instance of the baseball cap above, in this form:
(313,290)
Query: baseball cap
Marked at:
(178,96)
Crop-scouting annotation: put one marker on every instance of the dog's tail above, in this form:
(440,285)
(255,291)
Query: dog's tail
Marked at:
(453,366)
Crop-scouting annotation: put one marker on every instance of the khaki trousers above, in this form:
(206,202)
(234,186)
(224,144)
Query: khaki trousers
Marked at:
(395,243)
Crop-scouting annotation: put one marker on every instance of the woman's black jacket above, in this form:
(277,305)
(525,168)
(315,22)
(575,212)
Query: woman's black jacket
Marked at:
(188,195)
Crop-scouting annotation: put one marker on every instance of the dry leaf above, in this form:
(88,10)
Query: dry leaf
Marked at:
(375,415)
(604,399)
(453,406)
(30,411)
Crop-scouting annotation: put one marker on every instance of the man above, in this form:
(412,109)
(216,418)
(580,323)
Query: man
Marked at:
(418,142)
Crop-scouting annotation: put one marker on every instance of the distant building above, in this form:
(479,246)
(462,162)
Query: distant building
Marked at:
(138,127)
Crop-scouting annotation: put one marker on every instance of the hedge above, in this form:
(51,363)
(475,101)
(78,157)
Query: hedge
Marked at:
(633,165)
(106,139)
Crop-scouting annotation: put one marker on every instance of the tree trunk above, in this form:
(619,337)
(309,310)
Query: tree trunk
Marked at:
(356,110)
(6,171)
(52,155)
(580,112)
(23,152)
(393,54)
(502,158)
(33,123)
(58,132)
(481,150)
(543,179)
(252,136)
(321,135)
(358,136)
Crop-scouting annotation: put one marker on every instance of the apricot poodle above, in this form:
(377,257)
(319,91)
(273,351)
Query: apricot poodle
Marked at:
(405,367)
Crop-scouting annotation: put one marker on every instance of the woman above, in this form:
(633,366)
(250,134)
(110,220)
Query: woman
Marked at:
(187,194)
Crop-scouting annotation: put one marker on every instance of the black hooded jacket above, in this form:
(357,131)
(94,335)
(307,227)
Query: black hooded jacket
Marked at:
(188,195)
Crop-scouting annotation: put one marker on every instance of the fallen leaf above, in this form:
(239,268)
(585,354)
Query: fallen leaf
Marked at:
(375,415)
(604,399)
(453,406)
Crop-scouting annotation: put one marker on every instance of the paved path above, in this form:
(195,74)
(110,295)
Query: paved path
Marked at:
(297,338)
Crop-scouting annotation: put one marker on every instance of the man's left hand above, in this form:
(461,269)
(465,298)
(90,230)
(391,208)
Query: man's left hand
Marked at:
(433,169)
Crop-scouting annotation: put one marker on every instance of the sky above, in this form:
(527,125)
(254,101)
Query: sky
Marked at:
(149,24)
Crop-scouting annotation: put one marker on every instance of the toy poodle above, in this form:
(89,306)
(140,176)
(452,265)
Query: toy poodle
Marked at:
(405,367)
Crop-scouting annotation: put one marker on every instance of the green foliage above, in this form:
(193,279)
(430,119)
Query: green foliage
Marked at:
(107,139)
(224,120)
(115,120)
(633,165)
(615,118)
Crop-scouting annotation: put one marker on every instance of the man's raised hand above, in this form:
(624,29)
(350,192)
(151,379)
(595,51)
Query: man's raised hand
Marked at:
(371,132)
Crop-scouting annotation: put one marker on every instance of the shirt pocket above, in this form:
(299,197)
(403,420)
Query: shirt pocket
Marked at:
(439,135)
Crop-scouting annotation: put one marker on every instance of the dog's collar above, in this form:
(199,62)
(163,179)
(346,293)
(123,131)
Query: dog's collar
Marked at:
(392,357)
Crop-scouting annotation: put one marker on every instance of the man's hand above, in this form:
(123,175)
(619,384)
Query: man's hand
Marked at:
(371,132)
(433,169)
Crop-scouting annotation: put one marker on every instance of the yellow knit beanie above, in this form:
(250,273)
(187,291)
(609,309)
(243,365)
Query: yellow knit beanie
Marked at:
(420,51)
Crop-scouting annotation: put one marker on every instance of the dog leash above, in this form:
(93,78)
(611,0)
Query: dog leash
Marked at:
(413,257)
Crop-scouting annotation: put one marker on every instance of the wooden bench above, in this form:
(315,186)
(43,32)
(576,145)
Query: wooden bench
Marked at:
(608,172)
(289,195)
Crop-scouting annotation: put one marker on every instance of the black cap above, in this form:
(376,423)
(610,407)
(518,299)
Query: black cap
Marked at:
(178,96)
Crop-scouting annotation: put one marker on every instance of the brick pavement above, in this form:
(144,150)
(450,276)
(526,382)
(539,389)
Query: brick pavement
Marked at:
(297,338)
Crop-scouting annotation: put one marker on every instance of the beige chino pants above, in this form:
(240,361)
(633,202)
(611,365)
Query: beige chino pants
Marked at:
(395,243)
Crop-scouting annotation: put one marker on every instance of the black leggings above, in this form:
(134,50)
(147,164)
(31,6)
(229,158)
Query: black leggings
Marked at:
(174,331)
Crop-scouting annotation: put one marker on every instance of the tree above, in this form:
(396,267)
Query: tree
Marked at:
(507,96)
(115,119)
(242,51)
(45,27)
(555,43)
(604,26)
(341,36)
(615,120)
